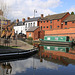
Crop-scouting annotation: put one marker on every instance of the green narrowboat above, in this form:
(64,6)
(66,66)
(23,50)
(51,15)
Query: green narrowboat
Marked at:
(60,40)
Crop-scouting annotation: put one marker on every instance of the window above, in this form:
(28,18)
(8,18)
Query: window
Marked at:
(65,23)
(44,21)
(41,27)
(44,27)
(34,24)
(29,34)
(26,25)
(50,21)
(47,21)
(50,26)
(47,26)
(73,22)
(41,21)
(58,20)
(58,26)
(29,25)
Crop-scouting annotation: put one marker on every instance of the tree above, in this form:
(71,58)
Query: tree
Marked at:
(72,13)
(4,7)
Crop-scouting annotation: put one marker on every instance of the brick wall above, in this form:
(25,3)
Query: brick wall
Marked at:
(56,24)
(62,32)
(69,24)
(35,35)
(32,34)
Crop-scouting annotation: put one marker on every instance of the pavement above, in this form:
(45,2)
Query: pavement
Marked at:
(20,45)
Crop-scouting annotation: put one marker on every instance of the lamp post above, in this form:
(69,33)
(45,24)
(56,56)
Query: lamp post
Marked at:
(34,13)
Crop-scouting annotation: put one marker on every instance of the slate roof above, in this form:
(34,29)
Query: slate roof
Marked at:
(55,16)
(33,19)
(32,29)
(19,24)
(30,20)
(70,18)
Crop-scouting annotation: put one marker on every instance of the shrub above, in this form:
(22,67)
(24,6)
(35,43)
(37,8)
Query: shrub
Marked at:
(30,38)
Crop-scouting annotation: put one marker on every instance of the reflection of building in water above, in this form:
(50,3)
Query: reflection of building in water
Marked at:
(6,67)
(60,55)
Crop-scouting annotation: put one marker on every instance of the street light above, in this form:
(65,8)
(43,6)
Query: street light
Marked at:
(34,13)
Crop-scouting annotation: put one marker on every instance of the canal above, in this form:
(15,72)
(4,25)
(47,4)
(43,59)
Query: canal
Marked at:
(50,60)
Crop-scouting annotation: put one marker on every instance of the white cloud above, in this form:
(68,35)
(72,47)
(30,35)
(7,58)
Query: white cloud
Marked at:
(23,65)
(26,7)
(71,9)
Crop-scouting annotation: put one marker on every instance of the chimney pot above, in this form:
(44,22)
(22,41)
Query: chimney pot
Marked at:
(28,18)
(41,15)
(17,21)
(23,20)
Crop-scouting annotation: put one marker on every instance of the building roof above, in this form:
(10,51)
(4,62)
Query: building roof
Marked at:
(30,20)
(33,19)
(19,24)
(32,29)
(70,18)
(55,16)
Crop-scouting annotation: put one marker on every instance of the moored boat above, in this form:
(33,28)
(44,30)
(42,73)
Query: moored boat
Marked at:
(60,40)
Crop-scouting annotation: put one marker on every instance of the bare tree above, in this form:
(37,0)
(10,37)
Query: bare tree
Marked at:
(4,7)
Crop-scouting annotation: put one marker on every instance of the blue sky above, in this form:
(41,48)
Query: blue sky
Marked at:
(24,8)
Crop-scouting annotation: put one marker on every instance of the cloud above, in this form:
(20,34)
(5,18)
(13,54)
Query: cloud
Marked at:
(26,7)
(23,65)
(71,9)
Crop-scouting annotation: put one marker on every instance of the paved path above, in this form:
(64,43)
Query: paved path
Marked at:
(21,45)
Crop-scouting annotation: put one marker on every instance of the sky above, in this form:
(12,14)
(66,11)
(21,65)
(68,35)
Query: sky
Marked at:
(25,8)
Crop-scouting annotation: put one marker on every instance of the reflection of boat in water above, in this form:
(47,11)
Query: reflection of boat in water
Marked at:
(56,48)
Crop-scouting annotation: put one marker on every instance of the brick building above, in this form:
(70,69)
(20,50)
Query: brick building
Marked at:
(35,33)
(51,22)
(62,24)
(69,22)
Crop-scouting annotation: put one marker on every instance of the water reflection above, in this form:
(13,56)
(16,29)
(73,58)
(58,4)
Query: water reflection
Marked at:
(54,60)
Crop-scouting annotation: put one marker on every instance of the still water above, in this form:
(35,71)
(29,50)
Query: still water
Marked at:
(50,60)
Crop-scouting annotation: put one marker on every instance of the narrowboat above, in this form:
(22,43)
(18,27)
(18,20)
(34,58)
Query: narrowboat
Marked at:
(58,40)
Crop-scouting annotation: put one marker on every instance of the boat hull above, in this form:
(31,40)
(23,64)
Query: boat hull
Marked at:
(56,43)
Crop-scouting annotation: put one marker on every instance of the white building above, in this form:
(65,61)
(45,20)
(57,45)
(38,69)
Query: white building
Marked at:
(24,25)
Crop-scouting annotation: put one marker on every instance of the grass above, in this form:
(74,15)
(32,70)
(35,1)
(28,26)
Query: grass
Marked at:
(8,47)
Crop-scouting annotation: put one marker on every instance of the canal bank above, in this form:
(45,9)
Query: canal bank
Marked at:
(21,48)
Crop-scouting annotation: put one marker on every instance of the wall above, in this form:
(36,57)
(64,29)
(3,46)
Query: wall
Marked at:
(62,32)
(45,24)
(19,29)
(32,34)
(55,23)
(27,23)
(35,35)
(69,24)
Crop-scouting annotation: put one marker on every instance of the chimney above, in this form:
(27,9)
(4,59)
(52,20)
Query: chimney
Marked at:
(28,18)
(23,20)
(17,21)
(41,15)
